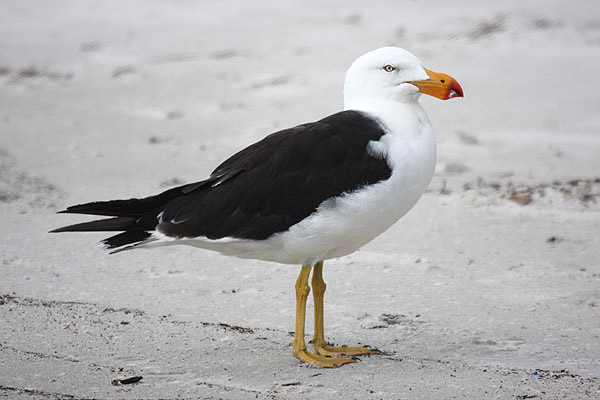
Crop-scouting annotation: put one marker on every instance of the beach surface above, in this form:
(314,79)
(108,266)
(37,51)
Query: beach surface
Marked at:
(488,289)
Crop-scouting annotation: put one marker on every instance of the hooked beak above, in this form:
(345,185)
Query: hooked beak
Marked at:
(439,85)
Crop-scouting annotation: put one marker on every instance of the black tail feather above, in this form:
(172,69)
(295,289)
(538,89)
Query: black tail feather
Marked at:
(109,224)
(116,208)
(136,218)
(133,207)
(132,234)
(125,238)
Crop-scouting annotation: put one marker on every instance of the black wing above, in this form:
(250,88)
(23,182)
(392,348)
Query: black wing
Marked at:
(261,190)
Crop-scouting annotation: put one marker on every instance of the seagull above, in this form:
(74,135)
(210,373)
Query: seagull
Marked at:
(306,194)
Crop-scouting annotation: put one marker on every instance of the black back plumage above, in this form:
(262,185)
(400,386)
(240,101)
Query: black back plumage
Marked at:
(261,190)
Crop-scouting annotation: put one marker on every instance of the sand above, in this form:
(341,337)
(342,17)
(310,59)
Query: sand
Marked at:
(488,288)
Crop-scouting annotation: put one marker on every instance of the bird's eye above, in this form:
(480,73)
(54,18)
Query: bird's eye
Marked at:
(389,68)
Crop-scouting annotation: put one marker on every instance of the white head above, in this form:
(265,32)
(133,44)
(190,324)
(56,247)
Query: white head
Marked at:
(394,74)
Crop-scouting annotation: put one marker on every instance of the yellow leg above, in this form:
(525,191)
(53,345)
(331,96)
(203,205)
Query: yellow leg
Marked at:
(302,291)
(319,344)
(299,345)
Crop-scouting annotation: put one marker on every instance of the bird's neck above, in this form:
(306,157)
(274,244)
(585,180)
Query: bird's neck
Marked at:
(398,117)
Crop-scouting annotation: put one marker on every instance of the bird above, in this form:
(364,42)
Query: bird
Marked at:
(306,194)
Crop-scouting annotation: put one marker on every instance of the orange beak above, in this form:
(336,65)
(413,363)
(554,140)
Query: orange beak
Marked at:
(439,85)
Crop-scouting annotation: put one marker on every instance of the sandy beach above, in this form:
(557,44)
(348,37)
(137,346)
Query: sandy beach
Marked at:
(488,289)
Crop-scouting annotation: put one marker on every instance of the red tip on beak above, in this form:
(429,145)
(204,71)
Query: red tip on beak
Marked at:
(439,85)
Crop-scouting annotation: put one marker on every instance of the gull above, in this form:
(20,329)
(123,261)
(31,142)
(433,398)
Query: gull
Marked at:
(305,194)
